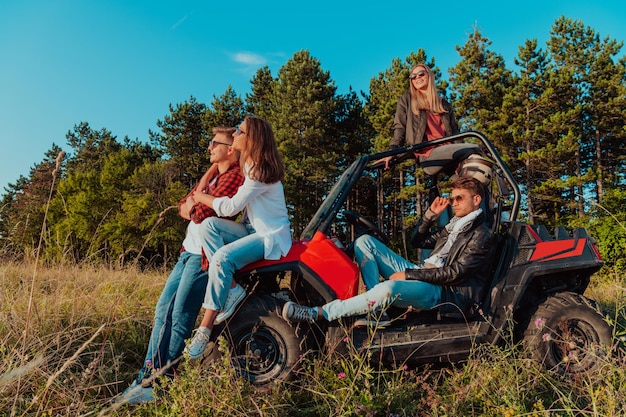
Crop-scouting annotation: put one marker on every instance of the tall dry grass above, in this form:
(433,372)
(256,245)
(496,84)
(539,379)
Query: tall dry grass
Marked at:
(88,327)
(70,336)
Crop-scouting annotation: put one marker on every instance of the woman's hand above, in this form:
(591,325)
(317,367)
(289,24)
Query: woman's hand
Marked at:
(386,160)
(205,199)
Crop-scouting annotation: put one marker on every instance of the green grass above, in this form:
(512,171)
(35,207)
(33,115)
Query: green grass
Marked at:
(71,338)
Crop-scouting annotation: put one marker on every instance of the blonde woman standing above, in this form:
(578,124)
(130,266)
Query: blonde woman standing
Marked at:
(423,115)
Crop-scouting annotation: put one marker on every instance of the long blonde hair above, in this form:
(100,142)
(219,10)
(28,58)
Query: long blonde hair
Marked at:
(267,165)
(429,99)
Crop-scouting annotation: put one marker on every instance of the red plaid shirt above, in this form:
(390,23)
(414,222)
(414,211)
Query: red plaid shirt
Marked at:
(220,185)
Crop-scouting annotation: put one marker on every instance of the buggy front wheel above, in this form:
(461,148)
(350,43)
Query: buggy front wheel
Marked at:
(263,347)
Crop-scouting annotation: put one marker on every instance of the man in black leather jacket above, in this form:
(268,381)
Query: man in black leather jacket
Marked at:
(453,277)
(464,273)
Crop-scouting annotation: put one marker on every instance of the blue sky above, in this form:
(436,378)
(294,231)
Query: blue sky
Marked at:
(118,64)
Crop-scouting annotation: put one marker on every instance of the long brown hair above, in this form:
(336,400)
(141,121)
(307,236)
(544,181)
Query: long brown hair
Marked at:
(267,165)
(429,99)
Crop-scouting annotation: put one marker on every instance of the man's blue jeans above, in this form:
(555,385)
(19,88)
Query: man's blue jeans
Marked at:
(374,260)
(176,312)
(404,294)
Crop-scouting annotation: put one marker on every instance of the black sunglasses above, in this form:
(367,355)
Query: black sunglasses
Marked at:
(418,74)
(214,142)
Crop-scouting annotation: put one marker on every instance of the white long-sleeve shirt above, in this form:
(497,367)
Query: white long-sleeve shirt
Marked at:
(266,211)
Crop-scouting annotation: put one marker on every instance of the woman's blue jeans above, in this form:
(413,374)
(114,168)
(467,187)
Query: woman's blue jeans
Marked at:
(175,313)
(229,246)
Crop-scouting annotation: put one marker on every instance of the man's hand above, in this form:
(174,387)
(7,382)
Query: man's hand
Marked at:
(439,205)
(398,276)
(185,209)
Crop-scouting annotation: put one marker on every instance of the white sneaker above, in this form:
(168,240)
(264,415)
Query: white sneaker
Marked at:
(136,394)
(295,312)
(235,296)
(198,343)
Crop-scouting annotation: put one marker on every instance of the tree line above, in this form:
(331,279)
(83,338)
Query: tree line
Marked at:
(558,121)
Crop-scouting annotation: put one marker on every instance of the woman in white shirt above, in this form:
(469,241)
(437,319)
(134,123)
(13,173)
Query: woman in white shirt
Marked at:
(263,233)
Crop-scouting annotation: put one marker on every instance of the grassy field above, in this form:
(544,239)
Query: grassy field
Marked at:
(72,337)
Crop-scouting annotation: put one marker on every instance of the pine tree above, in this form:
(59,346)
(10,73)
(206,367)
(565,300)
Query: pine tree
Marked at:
(259,101)
(183,140)
(228,110)
(479,83)
(22,222)
(594,103)
(525,106)
(302,114)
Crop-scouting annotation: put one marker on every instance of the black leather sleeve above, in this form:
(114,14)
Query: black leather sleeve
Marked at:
(423,236)
(466,256)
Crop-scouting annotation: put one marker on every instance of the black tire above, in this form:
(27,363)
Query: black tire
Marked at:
(568,334)
(263,346)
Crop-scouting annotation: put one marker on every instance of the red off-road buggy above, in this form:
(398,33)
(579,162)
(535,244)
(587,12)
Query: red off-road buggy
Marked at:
(535,294)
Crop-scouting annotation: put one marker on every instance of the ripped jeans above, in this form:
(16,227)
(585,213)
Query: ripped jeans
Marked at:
(375,260)
(229,246)
(404,294)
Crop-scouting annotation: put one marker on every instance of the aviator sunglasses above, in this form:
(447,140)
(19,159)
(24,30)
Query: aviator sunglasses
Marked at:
(457,198)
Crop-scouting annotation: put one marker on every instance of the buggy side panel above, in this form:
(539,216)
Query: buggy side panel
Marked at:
(326,261)
(558,249)
(534,265)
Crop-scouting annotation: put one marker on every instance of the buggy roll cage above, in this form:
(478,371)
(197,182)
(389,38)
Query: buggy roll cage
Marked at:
(506,198)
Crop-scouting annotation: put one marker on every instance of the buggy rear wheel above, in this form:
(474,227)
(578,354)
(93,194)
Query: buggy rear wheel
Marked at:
(568,334)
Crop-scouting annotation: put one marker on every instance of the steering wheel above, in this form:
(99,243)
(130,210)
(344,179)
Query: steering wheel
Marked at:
(359,221)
